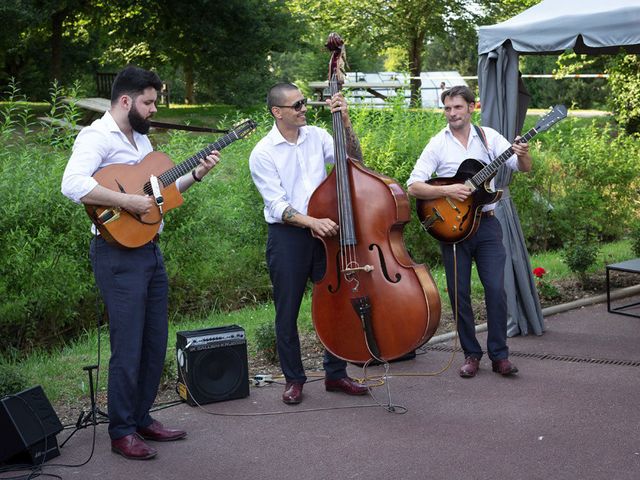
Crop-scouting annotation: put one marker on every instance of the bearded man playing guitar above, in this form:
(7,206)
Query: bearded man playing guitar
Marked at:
(132,281)
(442,156)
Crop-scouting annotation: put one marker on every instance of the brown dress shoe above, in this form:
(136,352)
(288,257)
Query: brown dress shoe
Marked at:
(504,367)
(470,367)
(292,393)
(133,447)
(158,433)
(346,385)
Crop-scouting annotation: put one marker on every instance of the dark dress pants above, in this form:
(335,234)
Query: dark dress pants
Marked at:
(294,256)
(134,287)
(486,248)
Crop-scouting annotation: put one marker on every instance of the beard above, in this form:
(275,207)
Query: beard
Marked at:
(139,124)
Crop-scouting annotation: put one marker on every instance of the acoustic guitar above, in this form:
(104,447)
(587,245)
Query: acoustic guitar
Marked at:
(452,221)
(155,175)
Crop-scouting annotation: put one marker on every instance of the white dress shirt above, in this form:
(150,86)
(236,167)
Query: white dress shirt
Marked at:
(286,174)
(97,146)
(444,154)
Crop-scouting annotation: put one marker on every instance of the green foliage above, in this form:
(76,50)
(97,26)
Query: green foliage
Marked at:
(214,244)
(584,178)
(266,341)
(44,275)
(584,93)
(624,78)
(635,238)
(12,380)
(581,252)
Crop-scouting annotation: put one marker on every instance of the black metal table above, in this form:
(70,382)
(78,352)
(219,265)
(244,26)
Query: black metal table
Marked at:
(629,266)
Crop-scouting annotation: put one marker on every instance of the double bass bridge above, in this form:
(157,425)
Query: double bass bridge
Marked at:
(350,274)
(354,269)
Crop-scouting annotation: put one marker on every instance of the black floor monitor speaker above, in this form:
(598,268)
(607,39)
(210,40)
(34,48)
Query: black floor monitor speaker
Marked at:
(212,364)
(29,426)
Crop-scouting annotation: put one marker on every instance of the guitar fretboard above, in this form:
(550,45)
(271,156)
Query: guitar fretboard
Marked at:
(171,175)
(490,170)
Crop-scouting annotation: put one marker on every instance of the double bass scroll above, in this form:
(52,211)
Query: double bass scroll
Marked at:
(374,301)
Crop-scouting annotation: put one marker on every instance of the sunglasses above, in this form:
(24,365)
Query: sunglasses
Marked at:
(296,106)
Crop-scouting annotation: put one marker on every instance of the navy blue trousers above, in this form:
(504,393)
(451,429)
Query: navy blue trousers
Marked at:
(485,247)
(294,257)
(134,287)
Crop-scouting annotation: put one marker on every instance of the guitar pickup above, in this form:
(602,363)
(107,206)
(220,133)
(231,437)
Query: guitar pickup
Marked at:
(452,205)
(109,215)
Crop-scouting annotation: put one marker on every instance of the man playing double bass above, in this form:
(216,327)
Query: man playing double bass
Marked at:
(287,166)
(443,155)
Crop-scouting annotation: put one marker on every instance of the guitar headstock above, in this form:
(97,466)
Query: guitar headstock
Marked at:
(244,128)
(556,114)
(335,45)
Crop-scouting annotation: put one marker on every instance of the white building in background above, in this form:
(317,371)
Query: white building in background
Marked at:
(388,84)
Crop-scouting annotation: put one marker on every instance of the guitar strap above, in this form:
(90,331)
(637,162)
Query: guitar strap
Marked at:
(483,137)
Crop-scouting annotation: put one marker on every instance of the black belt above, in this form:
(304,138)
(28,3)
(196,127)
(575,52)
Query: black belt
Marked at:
(488,213)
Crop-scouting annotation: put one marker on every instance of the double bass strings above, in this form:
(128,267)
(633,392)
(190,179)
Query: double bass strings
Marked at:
(347,235)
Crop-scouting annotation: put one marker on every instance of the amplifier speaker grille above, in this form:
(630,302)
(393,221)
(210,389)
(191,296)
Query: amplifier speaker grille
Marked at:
(212,365)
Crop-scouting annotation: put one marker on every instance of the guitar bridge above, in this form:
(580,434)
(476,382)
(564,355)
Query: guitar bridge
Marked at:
(436,217)
(109,215)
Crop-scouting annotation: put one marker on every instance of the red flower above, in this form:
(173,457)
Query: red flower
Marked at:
(539,272)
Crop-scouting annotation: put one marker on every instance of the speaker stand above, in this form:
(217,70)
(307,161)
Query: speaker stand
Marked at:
(93,416)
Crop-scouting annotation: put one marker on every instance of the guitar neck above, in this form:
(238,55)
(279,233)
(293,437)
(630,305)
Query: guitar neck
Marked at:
(490,170)
(171,175)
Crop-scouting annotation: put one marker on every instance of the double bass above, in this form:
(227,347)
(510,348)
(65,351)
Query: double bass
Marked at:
(374,301)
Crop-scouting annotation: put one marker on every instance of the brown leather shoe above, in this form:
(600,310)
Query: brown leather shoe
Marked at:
(470,367)
(504,367)
(133,447)
(346,385)
(292,393)
(158,433)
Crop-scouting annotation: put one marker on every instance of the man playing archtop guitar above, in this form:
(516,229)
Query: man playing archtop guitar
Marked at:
(443,155)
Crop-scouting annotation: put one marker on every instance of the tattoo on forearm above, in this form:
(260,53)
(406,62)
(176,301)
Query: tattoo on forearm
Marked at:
(353,144)
(288,214)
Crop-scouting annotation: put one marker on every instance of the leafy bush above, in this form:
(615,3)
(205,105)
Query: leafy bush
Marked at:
(266,341)
(624,78)
(580,253)
(635,238)
(583,178)
(11,380)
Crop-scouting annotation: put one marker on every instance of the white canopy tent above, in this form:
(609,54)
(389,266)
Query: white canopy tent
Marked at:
(586,26)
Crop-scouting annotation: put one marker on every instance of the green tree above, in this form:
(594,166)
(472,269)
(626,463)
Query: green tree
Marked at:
(624,79)
(381,24)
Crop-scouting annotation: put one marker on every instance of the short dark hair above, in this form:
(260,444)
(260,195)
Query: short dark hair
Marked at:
(459,91)
(133,81)
(276,94)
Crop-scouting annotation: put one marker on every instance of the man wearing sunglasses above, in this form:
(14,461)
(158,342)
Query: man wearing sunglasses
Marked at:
(287,165)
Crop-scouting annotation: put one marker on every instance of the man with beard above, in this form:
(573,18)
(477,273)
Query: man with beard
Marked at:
(133,282)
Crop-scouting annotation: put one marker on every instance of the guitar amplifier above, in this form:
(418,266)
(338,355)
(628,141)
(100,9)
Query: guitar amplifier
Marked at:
(212,365)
